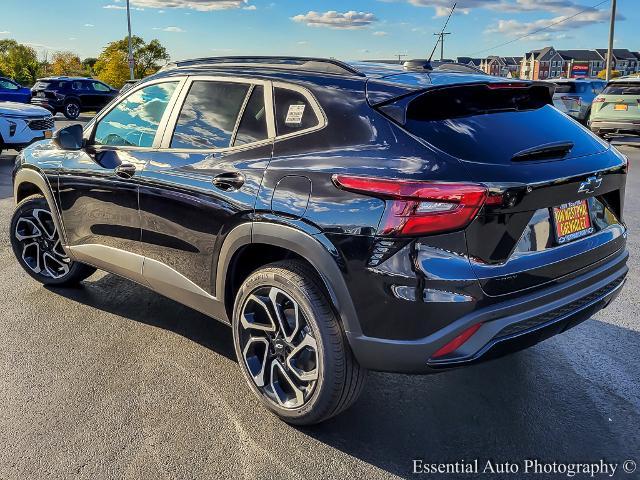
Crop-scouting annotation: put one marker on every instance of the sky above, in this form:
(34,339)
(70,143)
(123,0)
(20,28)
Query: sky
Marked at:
(344,29)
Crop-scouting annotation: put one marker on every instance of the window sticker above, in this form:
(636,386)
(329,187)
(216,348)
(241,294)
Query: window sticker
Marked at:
(295,114)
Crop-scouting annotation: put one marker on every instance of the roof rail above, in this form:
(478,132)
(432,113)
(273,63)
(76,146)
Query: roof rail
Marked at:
(309,64)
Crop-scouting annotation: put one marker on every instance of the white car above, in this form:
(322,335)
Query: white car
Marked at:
(22,124)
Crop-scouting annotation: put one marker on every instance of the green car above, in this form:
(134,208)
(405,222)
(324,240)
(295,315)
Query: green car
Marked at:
(616,111)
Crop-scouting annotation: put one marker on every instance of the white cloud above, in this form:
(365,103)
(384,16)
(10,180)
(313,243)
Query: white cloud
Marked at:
(4,32)
(345,21)
(112,6)
(200,5)
(170,29)
(250,7)
(515,28)
(558,7)
(380,34)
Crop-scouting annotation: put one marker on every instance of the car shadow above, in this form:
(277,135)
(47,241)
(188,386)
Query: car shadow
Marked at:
(112,294)
(574,397)
(6,182)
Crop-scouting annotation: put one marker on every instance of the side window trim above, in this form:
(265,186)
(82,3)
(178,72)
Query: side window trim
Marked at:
(165,143)
(240,115)
(315,105)
(91,127)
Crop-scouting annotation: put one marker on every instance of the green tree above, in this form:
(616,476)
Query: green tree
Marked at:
(66,63)
(18,61)
(88,64)
(112,66)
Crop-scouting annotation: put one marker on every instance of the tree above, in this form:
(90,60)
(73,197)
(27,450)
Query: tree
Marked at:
(66,63)
(112,66)
(603,74)
(88,64)
(18,61)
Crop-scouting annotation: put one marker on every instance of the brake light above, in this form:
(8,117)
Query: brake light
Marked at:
(501,85)
(457,342)
(415,208)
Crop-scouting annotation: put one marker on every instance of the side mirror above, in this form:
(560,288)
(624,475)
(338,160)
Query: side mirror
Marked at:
(69,138)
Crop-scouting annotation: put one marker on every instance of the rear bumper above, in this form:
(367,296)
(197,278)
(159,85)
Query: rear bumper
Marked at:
(603,127)
(50,105)
(507,327)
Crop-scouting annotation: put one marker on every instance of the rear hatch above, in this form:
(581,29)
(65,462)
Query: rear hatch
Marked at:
(567,97)
(562,188)
(45,89)
(619,101)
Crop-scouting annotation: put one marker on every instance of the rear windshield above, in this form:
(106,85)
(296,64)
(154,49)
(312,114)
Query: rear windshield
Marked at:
(44,85)
(457,102)
(572,87)
(622,89)
(491,126)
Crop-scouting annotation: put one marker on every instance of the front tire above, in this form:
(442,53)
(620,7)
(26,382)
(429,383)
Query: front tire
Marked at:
(290,346)
(37,245)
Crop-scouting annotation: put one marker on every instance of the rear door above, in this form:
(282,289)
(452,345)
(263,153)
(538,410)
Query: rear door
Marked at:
(204,180)
(12,92)
(562,188)
(102,94)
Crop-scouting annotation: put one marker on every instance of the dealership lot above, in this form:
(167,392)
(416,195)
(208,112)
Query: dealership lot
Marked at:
(113,381)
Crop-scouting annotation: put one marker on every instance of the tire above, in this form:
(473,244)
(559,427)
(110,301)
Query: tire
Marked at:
(71,110)
(334,379)
(37,246)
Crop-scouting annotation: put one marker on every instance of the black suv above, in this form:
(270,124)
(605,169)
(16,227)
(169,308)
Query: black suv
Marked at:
(71,96)
(340,217)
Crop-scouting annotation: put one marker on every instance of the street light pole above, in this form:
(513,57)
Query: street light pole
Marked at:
(612,28)
(130,59)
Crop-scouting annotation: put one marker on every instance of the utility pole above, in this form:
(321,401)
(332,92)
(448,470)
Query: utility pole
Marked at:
(612,28)
(130,59)
(441,40)
(400,57)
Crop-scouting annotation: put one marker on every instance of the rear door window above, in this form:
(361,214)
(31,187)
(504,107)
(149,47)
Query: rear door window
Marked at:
(294,113)
(209,115)
(253,126)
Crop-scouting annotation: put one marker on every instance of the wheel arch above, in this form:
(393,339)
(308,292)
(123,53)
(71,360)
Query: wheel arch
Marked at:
(314,250)
(29,182)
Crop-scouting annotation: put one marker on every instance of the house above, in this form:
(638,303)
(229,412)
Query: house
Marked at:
(472,62)
(623,60)
(582,63)
(542,64)
(501,66)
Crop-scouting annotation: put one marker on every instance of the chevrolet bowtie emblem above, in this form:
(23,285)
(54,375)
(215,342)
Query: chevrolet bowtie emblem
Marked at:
(591,185)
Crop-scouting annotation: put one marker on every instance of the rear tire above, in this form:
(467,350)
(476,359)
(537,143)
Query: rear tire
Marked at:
(72,110)
(37,246)
(291,347)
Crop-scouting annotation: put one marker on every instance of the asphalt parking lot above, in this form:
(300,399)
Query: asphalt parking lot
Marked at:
(110,380)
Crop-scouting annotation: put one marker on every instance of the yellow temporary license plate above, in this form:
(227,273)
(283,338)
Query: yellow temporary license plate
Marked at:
(48,134)
(621,107)
(572,221)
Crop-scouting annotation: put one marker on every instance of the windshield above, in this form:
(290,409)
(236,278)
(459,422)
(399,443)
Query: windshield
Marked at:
(570,87)
(622,89)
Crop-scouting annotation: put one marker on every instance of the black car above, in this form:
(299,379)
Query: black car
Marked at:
(340,217)
(72,96)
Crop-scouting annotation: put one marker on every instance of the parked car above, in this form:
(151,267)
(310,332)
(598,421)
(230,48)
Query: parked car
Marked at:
(617,109)
(575,96)
(22,124)
(340,217)
(11,91)
(72,96)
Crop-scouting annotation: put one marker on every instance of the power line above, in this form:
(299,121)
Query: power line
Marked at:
(541,29)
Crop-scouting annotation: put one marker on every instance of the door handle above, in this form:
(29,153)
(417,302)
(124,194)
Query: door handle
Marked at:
(125,170)
(229,181)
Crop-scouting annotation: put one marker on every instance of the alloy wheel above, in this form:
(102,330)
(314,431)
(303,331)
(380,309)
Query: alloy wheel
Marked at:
(278,347)
(40,246)
(73,110)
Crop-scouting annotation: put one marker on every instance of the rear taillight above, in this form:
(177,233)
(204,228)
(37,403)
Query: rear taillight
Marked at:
(578,100)
(598,100)
(418,208)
